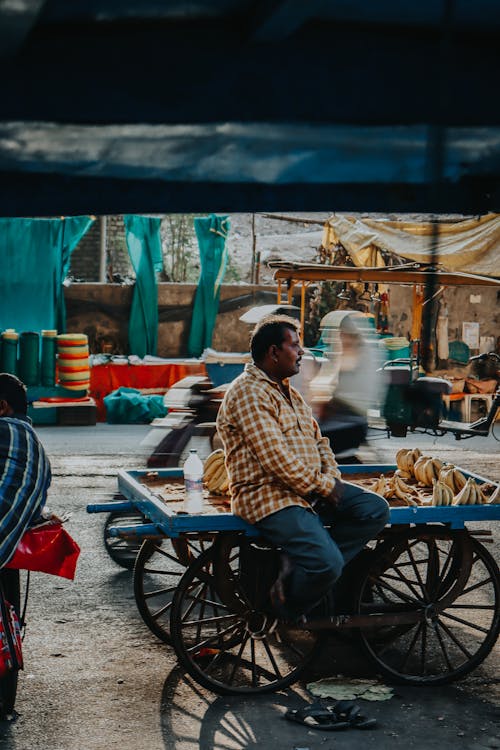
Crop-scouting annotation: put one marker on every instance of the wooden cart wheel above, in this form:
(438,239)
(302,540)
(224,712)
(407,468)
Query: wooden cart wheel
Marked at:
(221,632)
(453,582)
(157,572)
(8,683)
(123,551)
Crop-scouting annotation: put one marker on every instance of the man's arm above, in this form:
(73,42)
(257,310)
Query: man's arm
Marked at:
(328,462)
(258,422)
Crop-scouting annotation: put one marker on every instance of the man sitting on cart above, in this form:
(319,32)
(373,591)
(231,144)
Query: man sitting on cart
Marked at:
(284,477)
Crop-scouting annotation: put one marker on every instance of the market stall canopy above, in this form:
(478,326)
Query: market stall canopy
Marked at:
(244,105)
(472,245)
(410,273)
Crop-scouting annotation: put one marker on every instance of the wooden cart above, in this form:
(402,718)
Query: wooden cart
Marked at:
(423,600)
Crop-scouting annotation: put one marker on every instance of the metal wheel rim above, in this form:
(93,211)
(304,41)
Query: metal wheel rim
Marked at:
(448,644)
(157,572)
(230,652)
(122,551)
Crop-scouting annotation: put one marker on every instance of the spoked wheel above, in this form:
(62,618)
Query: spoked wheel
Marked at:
(8,683)
(157,572)
(452,582)
(221,631)
(123,551)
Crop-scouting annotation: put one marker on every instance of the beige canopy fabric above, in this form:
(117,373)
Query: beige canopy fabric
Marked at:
(471,245)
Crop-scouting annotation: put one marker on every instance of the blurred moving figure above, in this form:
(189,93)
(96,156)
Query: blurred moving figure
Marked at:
(349,382)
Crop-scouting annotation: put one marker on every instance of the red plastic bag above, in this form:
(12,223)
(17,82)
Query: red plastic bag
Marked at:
(48,549)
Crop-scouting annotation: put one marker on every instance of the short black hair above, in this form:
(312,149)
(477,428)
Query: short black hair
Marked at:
(268,331)
(13,391)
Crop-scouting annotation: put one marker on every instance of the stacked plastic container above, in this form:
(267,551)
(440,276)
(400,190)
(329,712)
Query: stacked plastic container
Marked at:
(73,361)
(8,356)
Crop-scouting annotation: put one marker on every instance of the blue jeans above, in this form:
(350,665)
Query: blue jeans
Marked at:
(317,554)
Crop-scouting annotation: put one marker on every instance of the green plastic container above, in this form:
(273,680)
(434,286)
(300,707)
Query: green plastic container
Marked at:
(29,352)
(8,361)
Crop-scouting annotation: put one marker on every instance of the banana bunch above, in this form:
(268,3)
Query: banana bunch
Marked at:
(215,476)
(442,494)
(454,478)
(395,490)
(405,460)
(470,494)
(427,469)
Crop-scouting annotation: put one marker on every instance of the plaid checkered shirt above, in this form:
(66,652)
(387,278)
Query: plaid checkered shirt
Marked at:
(24,480)
(276,456)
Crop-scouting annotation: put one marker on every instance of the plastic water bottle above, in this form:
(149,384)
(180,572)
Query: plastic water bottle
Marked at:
(193,482)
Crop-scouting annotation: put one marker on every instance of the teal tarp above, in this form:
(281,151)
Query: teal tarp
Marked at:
(129,406)
(35,257)
(211,233)
(142,234)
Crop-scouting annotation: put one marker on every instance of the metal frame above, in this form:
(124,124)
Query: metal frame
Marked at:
(166,522)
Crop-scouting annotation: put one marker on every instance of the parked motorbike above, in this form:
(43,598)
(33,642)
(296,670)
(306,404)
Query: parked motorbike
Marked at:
(416,403)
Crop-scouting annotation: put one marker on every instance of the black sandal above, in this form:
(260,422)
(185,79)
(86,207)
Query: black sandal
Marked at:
(316,716)
(343,715)
(351,712)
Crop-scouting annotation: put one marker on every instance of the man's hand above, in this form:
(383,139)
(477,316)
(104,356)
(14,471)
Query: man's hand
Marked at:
(336,494)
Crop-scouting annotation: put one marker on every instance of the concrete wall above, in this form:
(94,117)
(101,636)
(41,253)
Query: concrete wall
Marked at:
(485,310)
(102,310)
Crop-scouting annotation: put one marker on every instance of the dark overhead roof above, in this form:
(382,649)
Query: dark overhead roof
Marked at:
(141,106)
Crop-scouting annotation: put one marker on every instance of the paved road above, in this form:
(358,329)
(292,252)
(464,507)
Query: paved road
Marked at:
(96,678)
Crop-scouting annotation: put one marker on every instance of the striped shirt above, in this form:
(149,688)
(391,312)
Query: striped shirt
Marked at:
(275,454)
(24,480)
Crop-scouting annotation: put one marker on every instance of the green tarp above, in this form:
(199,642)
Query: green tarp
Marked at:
(142,234)
(35,257)
(211,233)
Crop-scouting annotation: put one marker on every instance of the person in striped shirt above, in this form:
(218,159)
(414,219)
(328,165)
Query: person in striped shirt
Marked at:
(25,472)
(284,477)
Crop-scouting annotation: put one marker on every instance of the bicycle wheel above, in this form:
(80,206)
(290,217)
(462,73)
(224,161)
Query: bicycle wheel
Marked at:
(8,683)
(221,633)
(123,551)
(453,583)
(157,571)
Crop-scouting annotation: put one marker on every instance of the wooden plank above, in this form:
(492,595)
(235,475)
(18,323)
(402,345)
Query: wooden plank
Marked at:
(386,275)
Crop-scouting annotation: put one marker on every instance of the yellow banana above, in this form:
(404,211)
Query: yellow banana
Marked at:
(397,488)
(495,498)
(418,469)
(476,496)
(436,493)
(437,465)
(402,459)
(415,454)
(213,457)
(406,487)
(447,494)
(459,480)
(216,477)
(428,472)
(463,496)
(380,486)
(446,476)
(225,487)
(213,471)
(223,482)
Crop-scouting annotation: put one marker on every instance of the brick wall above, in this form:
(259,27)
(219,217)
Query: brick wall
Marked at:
(85,260)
